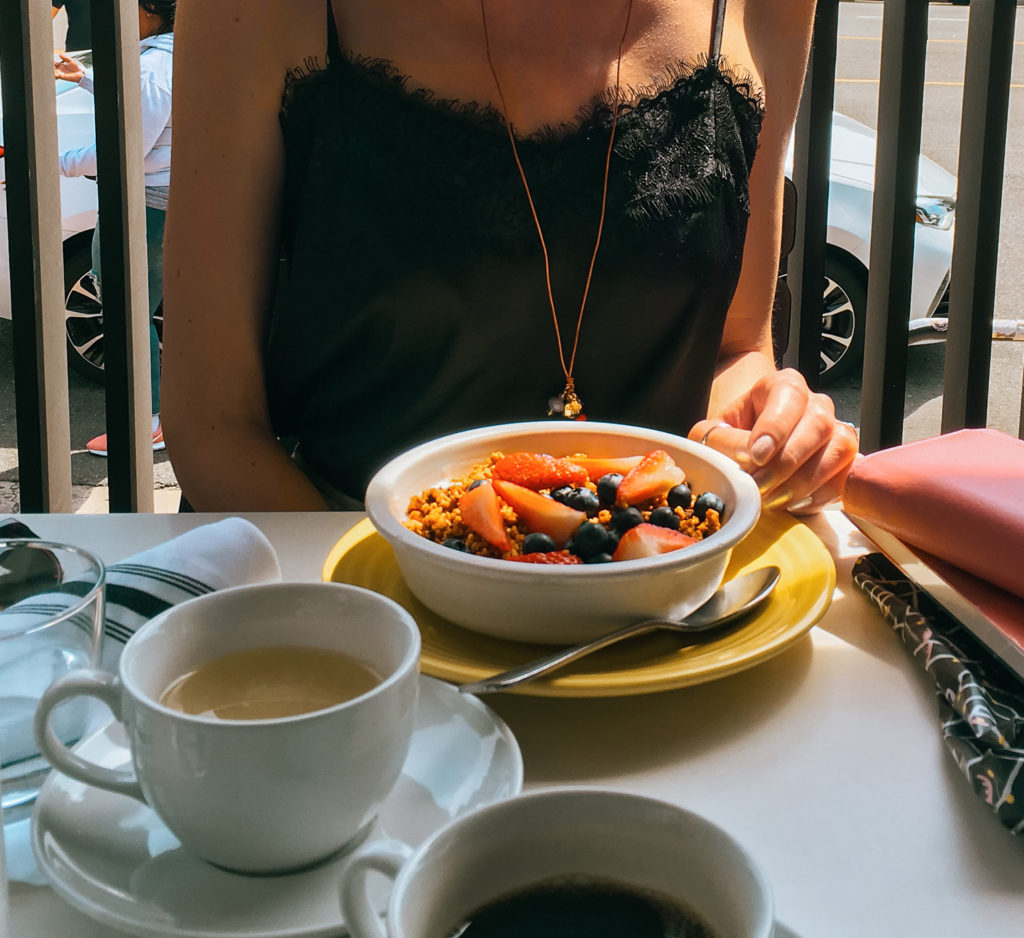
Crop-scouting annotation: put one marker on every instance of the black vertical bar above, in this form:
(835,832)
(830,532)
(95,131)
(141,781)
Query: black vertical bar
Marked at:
(812,147)
(14,54)
(1020,426)
(110,32)
(33,229)
(900,106)
(972,285)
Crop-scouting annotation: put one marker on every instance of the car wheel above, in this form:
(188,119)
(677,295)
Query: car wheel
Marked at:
(844,304)
(83,313)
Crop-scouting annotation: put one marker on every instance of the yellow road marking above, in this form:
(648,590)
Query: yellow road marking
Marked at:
(942,84)
(1016,42)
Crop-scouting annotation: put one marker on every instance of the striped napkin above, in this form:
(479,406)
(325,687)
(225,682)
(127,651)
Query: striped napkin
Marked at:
(231,552)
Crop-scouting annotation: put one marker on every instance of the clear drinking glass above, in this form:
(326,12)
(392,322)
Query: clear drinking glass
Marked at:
(4,918)
(51,622)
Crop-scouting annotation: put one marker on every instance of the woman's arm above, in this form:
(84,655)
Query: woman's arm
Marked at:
(786,435)
(222,246)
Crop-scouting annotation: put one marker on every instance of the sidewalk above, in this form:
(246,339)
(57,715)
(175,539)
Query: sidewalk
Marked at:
(95,498)
(96,501)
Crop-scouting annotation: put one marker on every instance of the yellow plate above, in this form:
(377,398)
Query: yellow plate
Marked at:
(640,666)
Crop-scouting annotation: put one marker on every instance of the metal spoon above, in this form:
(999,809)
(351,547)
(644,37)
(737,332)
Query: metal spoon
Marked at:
(730,601)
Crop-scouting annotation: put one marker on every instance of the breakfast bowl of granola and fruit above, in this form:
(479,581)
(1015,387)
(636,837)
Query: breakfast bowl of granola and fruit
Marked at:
(557,532)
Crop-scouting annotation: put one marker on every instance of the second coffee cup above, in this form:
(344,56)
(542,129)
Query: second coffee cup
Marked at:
(249,780)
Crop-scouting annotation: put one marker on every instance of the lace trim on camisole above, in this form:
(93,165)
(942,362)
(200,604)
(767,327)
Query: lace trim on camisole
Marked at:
(643,98)
(679,140)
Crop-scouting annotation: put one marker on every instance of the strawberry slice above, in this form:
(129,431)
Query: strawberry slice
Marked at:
(540,513)
(551,556)
(539,470)
(599,466)
(654,475)
(648,540)
(481,513)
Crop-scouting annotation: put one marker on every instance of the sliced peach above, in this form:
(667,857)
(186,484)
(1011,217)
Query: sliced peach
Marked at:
(541,513)
(481,513)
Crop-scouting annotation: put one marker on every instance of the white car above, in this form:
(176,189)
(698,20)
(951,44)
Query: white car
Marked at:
(845,288)
(75,128)
(851,191)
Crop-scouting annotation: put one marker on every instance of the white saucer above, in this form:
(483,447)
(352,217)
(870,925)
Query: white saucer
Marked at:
(113,859)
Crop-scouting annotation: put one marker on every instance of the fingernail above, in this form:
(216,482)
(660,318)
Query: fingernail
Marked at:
(762,449)
(778,500)
(803,503)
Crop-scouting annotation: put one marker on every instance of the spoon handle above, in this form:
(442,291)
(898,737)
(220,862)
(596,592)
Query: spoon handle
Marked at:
(539,666)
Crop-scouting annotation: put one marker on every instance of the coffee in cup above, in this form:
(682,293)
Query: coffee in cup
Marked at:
(563,861)
(583,905)
(269,683)
(289,782)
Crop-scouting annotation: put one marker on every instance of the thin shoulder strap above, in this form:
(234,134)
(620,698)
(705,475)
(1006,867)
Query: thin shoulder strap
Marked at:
(333,46)
(716,30)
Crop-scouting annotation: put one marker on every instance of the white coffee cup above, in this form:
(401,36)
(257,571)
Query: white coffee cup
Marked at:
(265,795)
(639,843)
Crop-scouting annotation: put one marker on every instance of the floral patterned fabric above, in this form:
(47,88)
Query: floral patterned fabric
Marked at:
(981,702)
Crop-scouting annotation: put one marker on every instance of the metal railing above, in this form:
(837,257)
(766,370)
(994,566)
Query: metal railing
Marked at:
(36,260)
(979,200)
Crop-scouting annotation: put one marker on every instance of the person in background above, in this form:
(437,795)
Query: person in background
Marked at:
(79,13)
(156,46)
(419,164)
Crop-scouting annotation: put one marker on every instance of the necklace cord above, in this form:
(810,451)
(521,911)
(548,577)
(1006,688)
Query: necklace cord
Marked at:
(529,196)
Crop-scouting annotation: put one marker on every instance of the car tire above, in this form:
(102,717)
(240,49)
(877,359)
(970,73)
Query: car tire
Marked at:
(844,311)
(83,311)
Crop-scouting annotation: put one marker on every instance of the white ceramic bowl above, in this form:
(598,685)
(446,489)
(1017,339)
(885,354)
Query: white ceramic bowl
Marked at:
(557,604)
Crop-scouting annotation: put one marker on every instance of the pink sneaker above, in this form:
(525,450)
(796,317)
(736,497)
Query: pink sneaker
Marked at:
(98,445)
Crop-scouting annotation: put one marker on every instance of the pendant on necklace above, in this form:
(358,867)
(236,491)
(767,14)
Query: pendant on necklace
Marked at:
(567,404)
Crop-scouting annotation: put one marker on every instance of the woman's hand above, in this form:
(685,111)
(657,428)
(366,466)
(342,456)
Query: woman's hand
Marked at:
(68,68)
(788,438)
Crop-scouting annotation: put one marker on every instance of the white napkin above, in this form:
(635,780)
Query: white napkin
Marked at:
(231,552)
(225,553)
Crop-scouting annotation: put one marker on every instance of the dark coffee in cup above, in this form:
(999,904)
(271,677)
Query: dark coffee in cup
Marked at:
(597,908)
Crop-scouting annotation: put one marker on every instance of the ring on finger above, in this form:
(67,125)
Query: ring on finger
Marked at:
(707,433)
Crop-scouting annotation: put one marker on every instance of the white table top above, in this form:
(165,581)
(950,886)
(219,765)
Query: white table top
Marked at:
(825,762)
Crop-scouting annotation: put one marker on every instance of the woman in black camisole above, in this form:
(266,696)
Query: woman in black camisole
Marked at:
(366,143)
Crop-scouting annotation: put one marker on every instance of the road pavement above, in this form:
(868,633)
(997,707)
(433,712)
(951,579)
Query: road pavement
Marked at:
(857,96)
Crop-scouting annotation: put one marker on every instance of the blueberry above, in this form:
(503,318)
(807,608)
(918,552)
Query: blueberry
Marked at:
(680,496)
(455,543)
(562,494)
(475,483)
(625,519)
(705,501)
(591,539)
(582,499)
(538,543)
(604,557)
(664,517)
(608,487)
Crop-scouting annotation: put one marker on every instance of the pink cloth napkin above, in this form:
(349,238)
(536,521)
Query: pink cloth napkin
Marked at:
(959,497)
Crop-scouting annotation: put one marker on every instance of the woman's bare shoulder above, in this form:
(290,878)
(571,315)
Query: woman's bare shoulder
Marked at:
(265,38)
(778,34)
(778,24)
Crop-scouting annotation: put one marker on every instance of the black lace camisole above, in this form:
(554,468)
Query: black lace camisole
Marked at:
(414,302)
